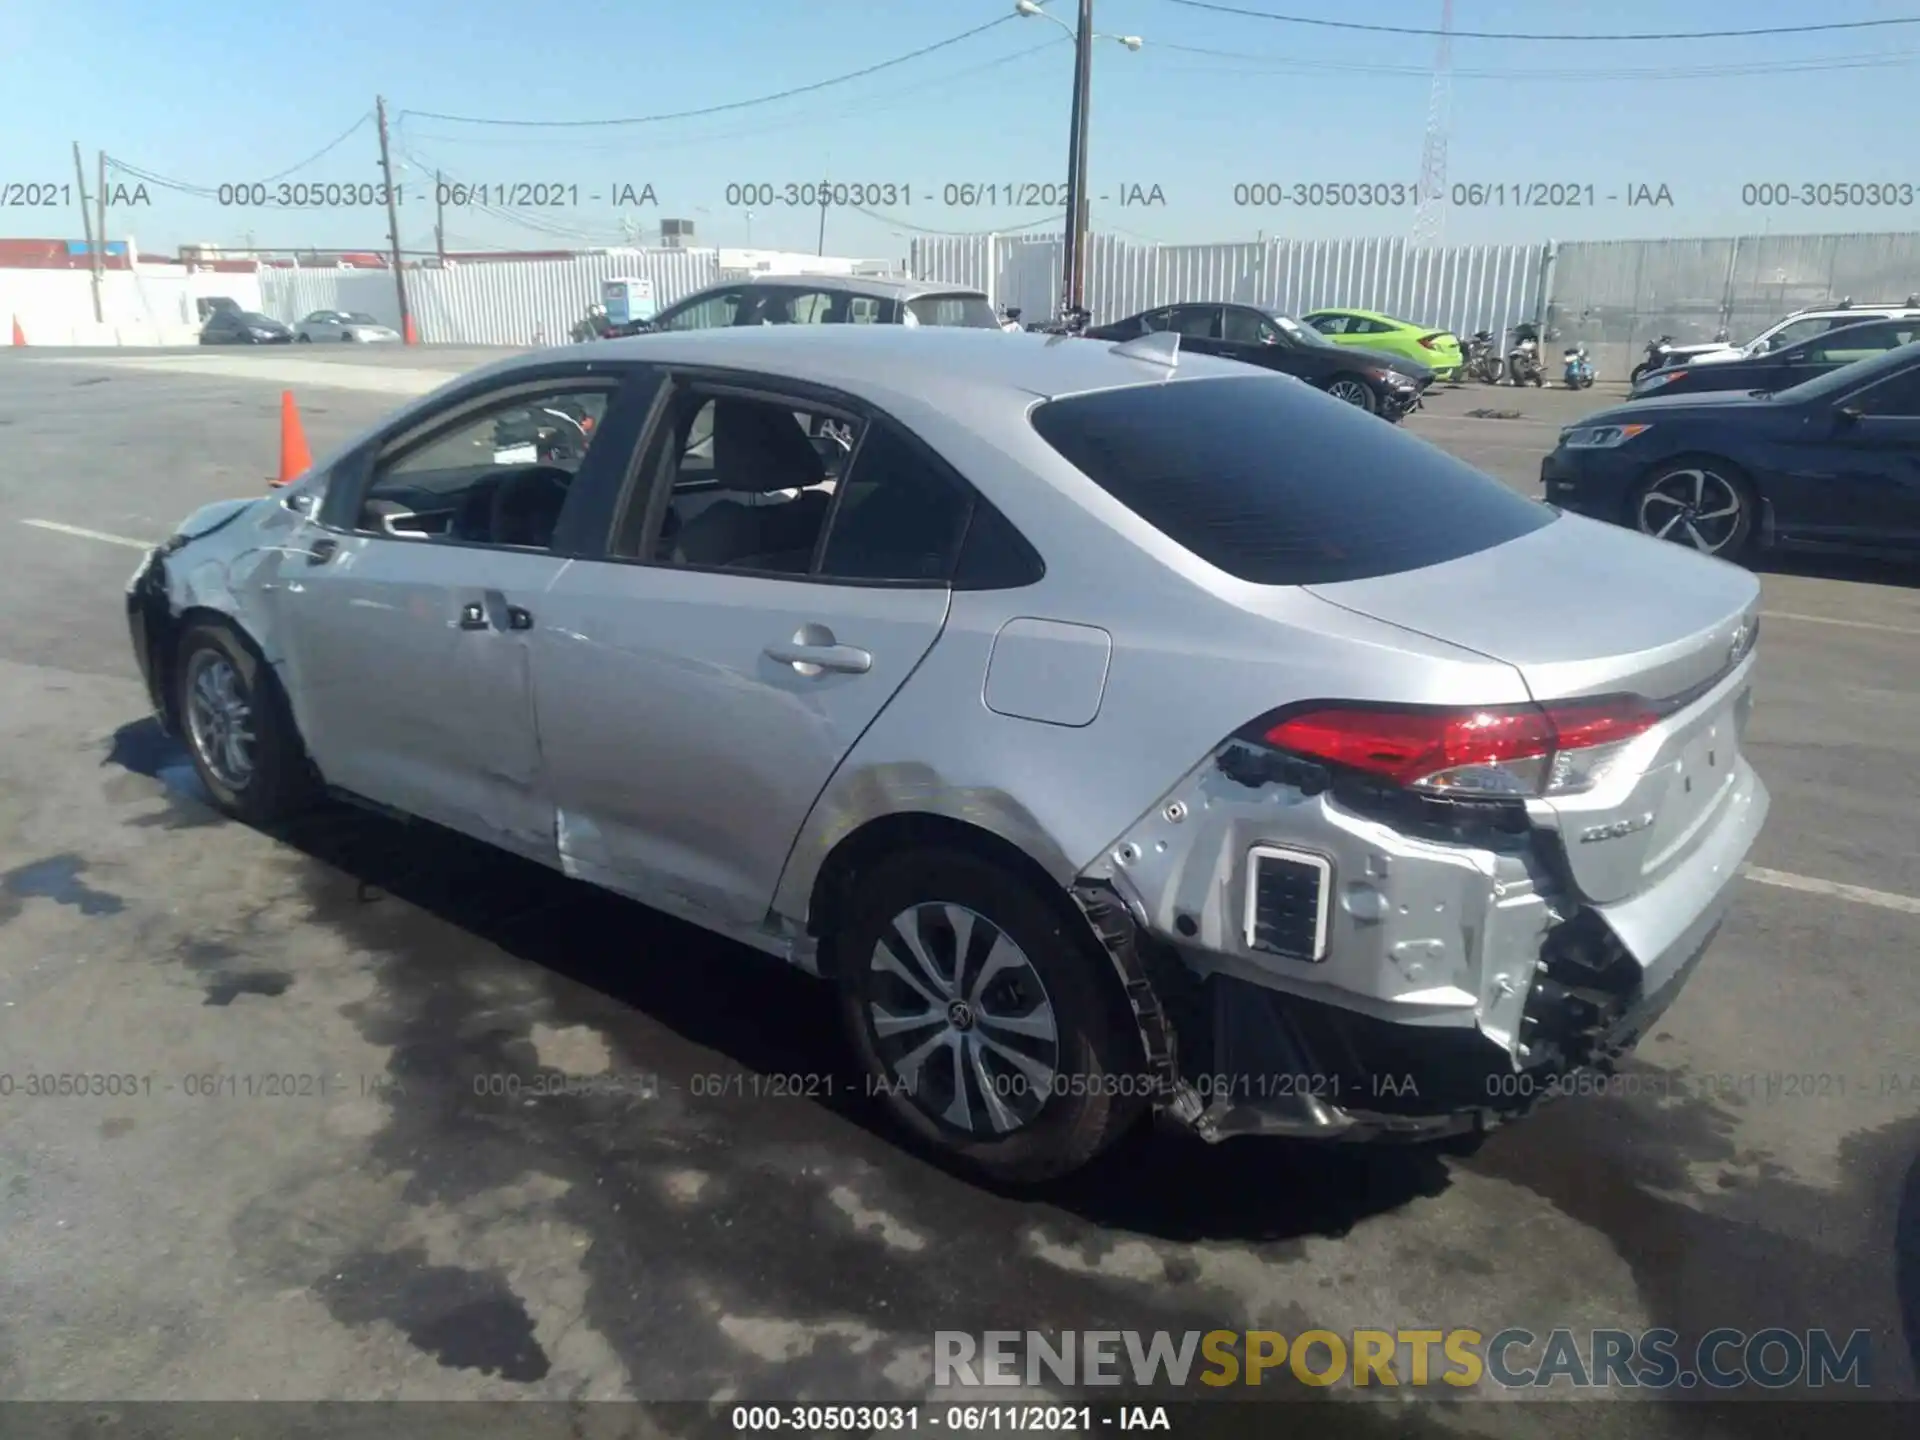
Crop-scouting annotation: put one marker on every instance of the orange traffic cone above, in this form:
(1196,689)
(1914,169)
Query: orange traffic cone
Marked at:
(295,458)
(19,335)
(412,336)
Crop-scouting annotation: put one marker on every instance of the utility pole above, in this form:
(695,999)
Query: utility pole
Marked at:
(440,217)
(1074,259)
(100,214)
(393,219)
(86,229)
(823,222)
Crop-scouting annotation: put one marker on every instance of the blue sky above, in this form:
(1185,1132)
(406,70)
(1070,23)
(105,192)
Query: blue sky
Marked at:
(239,90)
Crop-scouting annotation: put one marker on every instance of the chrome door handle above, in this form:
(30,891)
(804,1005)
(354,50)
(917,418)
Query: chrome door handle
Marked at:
(813,659)
(473,616)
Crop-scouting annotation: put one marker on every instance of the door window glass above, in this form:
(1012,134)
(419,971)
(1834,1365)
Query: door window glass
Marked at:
(1897,397)
(1197,322)
(1843,347)
(1247,327)
(750,484)
(707,313)
(899,518)
(799,307)
(1330,324)
(498,476)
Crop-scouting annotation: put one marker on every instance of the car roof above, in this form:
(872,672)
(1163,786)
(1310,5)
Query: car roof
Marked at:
(1871,312)
(885,287)
(916,359)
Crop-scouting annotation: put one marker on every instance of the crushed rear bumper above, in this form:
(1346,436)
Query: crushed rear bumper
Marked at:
(1458,980)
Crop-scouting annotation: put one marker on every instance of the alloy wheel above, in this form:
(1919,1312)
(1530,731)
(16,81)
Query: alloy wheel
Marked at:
(962,1021)
(1692,507)
(1351,391)
(220,719)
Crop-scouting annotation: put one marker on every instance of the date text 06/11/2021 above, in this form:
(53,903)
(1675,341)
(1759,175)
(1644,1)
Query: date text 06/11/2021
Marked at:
(1462,194)
(899,194)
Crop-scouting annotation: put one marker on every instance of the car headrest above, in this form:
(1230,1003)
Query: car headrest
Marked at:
(759,449)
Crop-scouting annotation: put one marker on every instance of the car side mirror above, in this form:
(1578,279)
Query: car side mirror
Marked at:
(306,503)
(1846,417)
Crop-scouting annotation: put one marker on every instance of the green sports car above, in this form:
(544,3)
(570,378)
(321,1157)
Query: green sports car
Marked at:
(1437,349)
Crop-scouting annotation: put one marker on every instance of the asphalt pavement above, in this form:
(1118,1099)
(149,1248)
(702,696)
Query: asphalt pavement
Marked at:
(314,1157)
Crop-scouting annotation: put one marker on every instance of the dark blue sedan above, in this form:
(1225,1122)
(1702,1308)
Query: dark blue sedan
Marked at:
(1833,463)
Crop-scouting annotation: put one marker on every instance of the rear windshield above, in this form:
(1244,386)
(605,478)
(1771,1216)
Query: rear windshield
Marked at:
(1275,483)
(970,312)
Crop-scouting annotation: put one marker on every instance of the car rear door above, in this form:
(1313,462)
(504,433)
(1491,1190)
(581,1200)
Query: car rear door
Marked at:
(695,700)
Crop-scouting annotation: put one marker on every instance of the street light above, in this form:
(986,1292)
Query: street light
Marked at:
(1083,38)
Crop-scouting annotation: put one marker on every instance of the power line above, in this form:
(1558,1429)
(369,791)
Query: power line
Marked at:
(1859,61)
(209,191)
(730,105)
(1525,35)
(880,103)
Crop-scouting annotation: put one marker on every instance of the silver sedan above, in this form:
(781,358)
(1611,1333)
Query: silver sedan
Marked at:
(348,325)
(1118,730)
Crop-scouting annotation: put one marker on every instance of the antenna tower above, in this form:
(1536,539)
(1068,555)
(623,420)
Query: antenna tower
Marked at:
(1429,221)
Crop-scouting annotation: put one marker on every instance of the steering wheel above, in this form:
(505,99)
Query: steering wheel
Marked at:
(523,483)
(575,442)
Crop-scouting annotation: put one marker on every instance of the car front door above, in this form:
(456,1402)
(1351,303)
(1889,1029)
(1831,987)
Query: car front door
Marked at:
(1863,484)
(751,617)
(406,610)
(321,325)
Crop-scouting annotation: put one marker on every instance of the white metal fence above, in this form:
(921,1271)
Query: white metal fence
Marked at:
(1462,288)
(1614,295)
(138,307)
(508,302)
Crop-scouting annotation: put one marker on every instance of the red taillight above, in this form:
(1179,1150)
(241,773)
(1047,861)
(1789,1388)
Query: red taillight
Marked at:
(1427,342)
(1515,750)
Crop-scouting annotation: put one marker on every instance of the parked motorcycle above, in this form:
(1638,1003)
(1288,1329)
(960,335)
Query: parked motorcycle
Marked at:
(593,325)
(1483,362)
(1577,368)
(1658,352)
(1010,318)
(1074,322)
(1523,360)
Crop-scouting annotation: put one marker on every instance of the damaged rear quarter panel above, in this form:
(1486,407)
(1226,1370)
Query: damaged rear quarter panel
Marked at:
(1420,932)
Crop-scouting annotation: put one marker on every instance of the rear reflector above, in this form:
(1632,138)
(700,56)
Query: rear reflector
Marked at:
(1511,750)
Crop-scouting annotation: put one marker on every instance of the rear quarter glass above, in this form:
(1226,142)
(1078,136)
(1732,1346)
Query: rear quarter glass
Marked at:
(1276,484)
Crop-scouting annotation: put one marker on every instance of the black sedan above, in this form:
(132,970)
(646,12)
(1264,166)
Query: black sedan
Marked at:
(1830,464)
(1781,369)
(1387,385)
(244,327)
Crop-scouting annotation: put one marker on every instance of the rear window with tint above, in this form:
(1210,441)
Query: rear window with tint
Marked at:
(1277,484)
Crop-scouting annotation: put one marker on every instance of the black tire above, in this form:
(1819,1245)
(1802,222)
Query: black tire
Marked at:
(1100,1086)
(1739,537)
(304,339)
(281,782)
(1639,373)
(346,337)
(1369,402)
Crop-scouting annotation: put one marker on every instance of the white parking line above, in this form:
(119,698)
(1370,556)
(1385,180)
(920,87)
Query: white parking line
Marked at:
(1859,894)
(1830,620)
(86,534)
(1780,879)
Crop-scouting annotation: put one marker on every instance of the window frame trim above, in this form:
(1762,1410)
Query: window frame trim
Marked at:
(360,469)
(649,466)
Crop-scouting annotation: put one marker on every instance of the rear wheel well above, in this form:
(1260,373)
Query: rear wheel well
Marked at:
(890,835)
